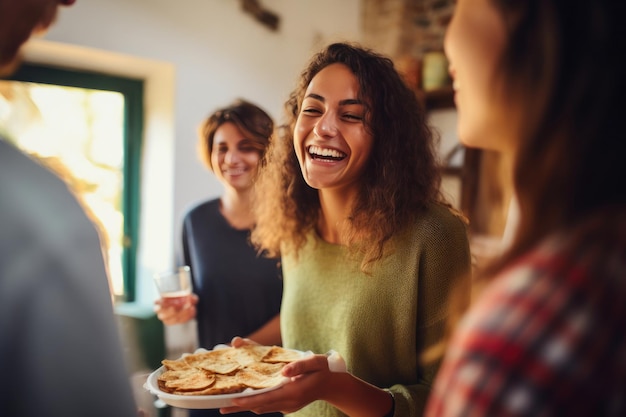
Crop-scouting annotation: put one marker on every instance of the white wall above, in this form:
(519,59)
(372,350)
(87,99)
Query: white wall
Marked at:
(197,55)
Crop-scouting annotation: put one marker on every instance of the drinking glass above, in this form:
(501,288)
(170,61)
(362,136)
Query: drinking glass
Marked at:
(174,285)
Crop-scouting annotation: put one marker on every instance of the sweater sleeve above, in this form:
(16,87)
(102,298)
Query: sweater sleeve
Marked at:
(444,273)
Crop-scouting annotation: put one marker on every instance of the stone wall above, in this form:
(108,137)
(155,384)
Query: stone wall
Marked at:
(406,28)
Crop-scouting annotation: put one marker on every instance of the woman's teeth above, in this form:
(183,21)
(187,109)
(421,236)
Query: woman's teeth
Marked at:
(317,152)
(235,171)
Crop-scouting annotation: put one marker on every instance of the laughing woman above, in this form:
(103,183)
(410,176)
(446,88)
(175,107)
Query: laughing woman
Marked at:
(369,249)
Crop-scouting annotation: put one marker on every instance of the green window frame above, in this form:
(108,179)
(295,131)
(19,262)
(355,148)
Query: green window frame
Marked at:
(132,90)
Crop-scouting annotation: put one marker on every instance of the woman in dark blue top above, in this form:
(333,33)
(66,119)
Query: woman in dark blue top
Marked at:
(237,292)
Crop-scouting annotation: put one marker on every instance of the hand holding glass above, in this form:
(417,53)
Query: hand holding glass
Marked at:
(174,284)
(177,303)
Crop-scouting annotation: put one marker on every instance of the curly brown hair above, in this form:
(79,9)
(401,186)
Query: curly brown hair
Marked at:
(248,117)
(401,178)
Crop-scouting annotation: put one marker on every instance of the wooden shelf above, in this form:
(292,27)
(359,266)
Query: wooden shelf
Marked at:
(441,98)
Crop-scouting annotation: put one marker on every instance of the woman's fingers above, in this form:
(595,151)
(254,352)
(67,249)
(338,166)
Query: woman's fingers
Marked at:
(286,399)
(175,313)
(314,363)
(308,376)
(238,341)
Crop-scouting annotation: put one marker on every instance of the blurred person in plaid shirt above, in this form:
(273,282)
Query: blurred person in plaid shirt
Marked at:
(544,82)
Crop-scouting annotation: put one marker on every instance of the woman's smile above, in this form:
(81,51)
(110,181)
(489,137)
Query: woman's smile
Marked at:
(319,153)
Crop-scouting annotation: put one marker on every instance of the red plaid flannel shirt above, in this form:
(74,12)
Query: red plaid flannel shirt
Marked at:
(546,338)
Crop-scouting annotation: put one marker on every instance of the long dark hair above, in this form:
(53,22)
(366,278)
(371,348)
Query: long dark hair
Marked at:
(564,67)
(402,176)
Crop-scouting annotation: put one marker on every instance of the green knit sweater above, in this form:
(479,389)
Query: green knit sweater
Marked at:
(381,322)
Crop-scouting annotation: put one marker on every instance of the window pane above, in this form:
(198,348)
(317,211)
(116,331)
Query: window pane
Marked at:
(79,133)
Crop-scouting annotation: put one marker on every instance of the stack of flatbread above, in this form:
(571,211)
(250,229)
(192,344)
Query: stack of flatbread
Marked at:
(226,371)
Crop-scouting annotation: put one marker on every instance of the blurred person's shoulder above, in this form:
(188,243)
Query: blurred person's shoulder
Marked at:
(203,207)
(205,219)
(586,261)
(202,211)
(34,198)
(24,180)
(597,245)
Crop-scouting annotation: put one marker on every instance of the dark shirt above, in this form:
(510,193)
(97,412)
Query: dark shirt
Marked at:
(239,291)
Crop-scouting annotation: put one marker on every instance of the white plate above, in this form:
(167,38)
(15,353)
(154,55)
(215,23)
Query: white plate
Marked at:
(200,401)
